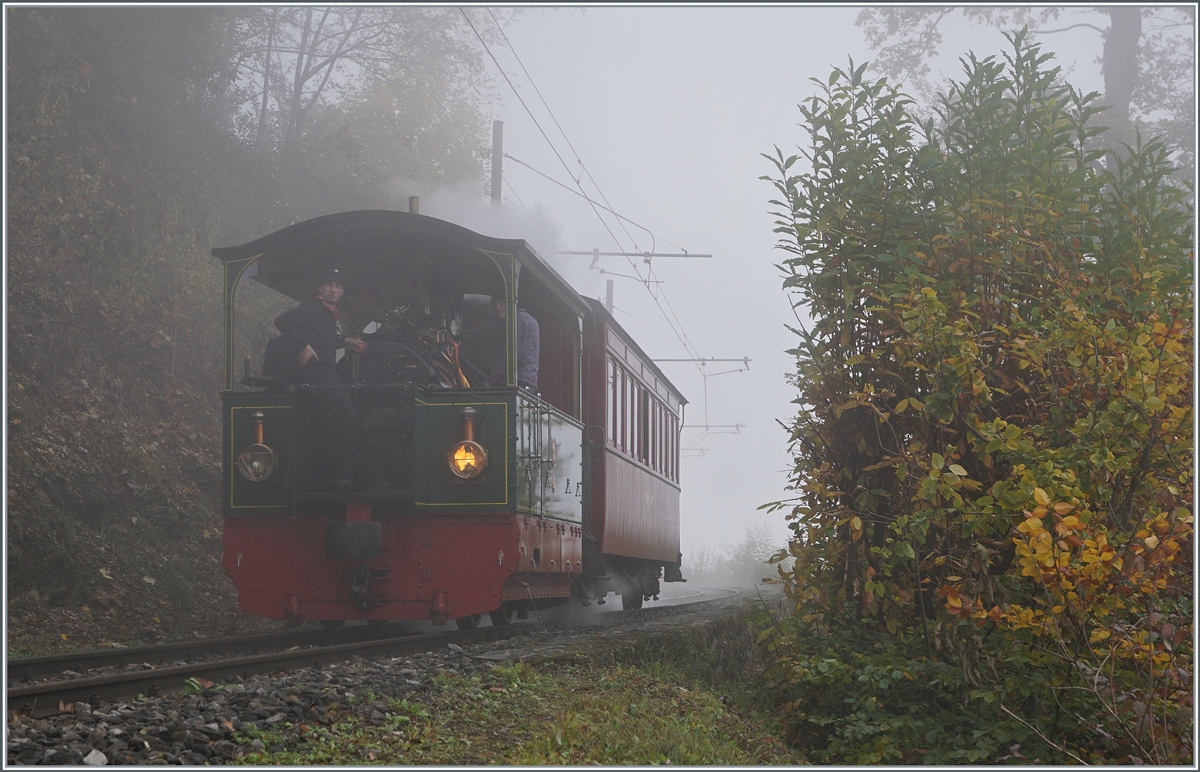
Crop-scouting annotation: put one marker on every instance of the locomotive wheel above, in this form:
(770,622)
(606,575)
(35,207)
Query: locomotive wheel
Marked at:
(503,615)
(469,623)
(332,624)
(631,601)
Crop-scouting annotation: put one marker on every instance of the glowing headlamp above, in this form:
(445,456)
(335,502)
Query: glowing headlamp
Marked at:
(467,459)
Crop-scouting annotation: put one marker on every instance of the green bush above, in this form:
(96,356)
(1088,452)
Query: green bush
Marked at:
(993,450)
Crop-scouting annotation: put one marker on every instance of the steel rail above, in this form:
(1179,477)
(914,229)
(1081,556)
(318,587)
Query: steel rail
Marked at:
(50,697)
(46,697)
(26,668)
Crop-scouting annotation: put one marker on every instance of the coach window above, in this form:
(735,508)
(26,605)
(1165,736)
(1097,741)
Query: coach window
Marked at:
(670,461)
(676,451)
(644,423)
(631,426)
(631,418)
(666,441)
(656,446)
(612,402)
(666,418)
(627,416)
(660,424)
(623,409)
(677,435)
(656,431)
(618,407)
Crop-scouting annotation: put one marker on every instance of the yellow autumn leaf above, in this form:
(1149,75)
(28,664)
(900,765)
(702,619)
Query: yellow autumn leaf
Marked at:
(63,636)
(1041,497)
(1151,541)
(1062,508)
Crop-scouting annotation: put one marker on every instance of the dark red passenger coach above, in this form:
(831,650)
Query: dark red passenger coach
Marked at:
(496,499)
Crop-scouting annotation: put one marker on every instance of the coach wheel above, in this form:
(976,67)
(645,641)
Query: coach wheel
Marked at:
(503,615)
(469,623)
(332,624)
(631,601)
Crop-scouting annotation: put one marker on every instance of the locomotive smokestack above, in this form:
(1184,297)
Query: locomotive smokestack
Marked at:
(414,204)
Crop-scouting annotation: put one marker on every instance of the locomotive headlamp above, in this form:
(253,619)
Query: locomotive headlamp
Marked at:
(468,458)
(257,462)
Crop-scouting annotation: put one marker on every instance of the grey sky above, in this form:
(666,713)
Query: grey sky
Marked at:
(669,109)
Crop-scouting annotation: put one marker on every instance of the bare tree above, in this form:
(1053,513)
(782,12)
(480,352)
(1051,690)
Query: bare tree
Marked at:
(1146,58)
(286,63)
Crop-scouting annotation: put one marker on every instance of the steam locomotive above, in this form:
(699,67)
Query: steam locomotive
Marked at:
(497,500)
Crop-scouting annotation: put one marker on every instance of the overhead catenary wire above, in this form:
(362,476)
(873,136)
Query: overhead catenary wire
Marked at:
(513,190)
(559,127)
(583,279)
(671,317)
(558,155)
(573,192)
(682,336)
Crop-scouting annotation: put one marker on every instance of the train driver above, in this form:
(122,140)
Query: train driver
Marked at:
(528,345)
(314,329)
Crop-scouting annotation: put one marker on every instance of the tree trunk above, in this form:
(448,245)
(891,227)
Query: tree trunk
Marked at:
(303,57)
(1120,61)
(262,113)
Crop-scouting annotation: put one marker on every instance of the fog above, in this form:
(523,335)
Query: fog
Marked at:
(668,110)
(658,113)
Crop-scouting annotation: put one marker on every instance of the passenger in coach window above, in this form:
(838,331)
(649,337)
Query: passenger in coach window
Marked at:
(314,330)
(528,345)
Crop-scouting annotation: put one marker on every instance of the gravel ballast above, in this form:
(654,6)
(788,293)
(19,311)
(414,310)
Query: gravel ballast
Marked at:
(211,725)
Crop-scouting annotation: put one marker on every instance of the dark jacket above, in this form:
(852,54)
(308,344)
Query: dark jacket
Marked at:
(528,353)
(313,324)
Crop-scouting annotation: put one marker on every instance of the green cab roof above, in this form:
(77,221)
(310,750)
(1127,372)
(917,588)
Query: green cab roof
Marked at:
(374,247)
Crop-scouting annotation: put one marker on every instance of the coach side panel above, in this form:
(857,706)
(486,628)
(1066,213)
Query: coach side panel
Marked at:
(633,421)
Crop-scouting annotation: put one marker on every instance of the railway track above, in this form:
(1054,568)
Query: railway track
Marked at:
(49,684)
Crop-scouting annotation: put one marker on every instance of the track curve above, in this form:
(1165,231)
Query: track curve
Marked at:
(132,674)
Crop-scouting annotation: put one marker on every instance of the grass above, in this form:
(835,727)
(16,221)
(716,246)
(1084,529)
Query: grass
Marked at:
(552,713)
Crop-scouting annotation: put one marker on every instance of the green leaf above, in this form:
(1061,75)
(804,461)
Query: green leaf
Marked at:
(958,470)
(937,460)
